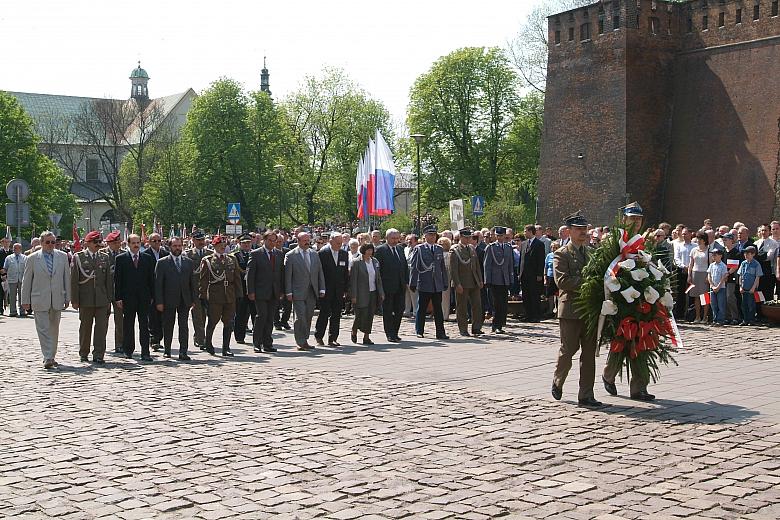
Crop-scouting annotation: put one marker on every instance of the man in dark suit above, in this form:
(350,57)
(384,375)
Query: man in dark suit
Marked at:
(155,251)
(244,307)
(265,287)
(284,310)
(335,267)
(394,271)
(175,294)
(532,274)
(133,291)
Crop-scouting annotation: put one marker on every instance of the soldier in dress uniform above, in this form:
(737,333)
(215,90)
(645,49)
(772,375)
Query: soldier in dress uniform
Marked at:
(428,276)
(633,215)
(498,268)
(245,309)
(221,284)
(92,291)
(568,263)
(197,253)
(113,249)
(467,280)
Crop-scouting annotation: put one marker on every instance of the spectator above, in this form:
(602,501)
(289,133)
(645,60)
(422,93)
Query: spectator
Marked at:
(731,253)
(550,289)
(749,276)
(14,272)
(697,276)
(682,258)
(717,275)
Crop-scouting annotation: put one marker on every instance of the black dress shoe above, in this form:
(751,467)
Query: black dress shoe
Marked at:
(442,337)
(286,326)
(240,342)
(319,341)
(421,335)
(210,350)
(465,334)
(367,341)
(278,326)
(85,359)
(609,387)
(556,392)
(477,333)
(156,347)
(353,337)
(202,347)
(98,361)
(258,349)
(590,402)
(146,357)
(128,356)
(184,357)
(269,349)
(334,343)
(167,354)
(642,396)
(226,352)
(394,340)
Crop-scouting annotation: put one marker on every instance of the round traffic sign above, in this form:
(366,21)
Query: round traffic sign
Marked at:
(17,190)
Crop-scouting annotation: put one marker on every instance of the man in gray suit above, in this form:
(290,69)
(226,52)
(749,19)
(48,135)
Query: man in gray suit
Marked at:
(303,282)
(46,290)
(14,270)
(175,294)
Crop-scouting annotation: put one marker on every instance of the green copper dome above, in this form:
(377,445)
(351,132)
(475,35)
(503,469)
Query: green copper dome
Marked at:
(138,72)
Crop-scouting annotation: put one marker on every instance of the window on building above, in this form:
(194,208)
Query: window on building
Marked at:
(774,8)
(721,19)
(571,34)
(655,25)
(601,26)
(705,22)
(584,32)
(756,12)
(738,17)
(557,37)
(616,22)
(92,170)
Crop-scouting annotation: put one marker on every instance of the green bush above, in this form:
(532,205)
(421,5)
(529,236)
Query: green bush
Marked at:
(400,221)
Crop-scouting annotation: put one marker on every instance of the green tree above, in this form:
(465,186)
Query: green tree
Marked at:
(523,145)
(465,106)
(330,120)
(20,158)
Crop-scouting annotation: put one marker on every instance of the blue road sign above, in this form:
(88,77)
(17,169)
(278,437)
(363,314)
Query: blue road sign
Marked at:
(234,212)
(478,205)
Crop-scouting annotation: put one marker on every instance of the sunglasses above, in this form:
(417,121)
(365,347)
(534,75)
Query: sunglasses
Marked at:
(49,242)
(154,241)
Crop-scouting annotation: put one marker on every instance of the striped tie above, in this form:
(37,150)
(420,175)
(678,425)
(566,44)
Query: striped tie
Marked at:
(49,262)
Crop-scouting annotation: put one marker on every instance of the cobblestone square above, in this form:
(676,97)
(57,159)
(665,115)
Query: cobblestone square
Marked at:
(424,429)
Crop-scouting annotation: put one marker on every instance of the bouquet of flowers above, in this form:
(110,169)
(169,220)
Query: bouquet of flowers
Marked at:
(626,302)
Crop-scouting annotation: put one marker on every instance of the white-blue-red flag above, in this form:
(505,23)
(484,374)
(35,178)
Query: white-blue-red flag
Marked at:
(384,178)
(370,167)
(361,187)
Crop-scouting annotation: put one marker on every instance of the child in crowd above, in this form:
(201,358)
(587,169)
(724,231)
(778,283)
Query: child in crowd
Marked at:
(749,274)
(717,275)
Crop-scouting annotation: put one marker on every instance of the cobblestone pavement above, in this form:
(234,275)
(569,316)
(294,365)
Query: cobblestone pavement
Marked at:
(462,429)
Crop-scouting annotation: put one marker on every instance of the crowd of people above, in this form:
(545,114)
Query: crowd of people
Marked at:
(253,284)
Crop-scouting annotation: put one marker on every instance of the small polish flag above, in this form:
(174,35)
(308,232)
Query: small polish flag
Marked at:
(732,263)
(705,298)
(690,286)
(759,296)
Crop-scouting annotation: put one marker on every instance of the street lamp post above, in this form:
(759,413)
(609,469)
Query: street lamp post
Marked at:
(418,138)
(279,169)
(296,185)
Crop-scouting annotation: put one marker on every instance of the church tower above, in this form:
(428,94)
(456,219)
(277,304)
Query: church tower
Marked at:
(139,88)
(265,85)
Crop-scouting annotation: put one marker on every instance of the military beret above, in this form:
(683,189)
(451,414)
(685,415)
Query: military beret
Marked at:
(576,220)
(93,236)
(113,236)
(465,232)
(430,229)
(218,239)
(199,235)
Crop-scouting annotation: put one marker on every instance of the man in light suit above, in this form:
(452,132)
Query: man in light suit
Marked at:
(265,287)
(303,281)
(46,290)
(175,293)
(14,271)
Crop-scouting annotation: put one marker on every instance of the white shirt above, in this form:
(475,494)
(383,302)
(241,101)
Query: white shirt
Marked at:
(682,253)
(770,245)
(371,274)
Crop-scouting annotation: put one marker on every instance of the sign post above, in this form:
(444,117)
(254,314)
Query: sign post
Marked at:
(18,190)
(457,218)
(234,212)
(477,207)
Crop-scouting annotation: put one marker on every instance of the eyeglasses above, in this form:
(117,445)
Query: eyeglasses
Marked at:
(49,242)
(154,241)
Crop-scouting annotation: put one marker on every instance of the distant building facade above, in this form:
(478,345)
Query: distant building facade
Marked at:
(671,104)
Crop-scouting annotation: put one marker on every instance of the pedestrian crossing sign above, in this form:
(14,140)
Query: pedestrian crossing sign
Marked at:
(234,212)
(478,205)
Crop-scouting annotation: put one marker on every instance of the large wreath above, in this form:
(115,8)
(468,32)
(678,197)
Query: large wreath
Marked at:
(626,302)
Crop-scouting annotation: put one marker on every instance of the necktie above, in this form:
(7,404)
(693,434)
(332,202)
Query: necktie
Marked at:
(49,263)
(307,259)
(395,252)
(178,263)
(135,261)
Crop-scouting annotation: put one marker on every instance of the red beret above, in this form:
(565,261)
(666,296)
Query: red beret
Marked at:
(93,236)
(218,239)
(114,235)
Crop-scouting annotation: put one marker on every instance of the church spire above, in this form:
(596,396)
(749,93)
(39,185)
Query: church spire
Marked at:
(139,90)
(265,85)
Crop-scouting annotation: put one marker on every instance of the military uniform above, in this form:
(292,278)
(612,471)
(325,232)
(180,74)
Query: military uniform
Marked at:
(466,273)
(244,308)
(568,263)
(92,284)
(428,276)
(118,314)
(498,268)
(221,284)
(198,310)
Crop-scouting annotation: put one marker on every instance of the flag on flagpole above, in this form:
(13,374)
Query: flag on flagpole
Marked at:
(143,233)
(370,168)
(170,234)
(8,235)
(384,172)
(361,187)
(705,298)
(759,297)
(76,239)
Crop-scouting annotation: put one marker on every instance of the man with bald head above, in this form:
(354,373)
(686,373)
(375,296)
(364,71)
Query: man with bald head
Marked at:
(304,282)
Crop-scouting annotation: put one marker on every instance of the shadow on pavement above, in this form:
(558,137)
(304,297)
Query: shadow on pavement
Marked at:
(682,412)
